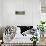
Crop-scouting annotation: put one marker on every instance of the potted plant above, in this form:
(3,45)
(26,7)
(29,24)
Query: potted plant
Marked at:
(41,27)
(34,39)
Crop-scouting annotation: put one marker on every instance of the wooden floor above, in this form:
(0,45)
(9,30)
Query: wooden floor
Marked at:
(16,44)
(42,41)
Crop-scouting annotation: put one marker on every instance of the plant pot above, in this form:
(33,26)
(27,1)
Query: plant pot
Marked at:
(34,43)
(42,34)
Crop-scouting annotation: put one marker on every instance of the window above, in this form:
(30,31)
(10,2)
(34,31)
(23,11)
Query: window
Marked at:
(43,6)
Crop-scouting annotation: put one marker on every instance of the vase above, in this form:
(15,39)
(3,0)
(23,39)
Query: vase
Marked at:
(42,34)
(34,43)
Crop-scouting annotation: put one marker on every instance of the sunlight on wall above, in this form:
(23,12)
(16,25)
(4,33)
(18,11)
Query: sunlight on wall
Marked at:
(43,16)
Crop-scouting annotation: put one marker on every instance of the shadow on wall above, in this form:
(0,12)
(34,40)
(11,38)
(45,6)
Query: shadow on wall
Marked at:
(1,32)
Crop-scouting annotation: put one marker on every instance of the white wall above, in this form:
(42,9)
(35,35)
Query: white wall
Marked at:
(31,8)
(1,12)
(36,12)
